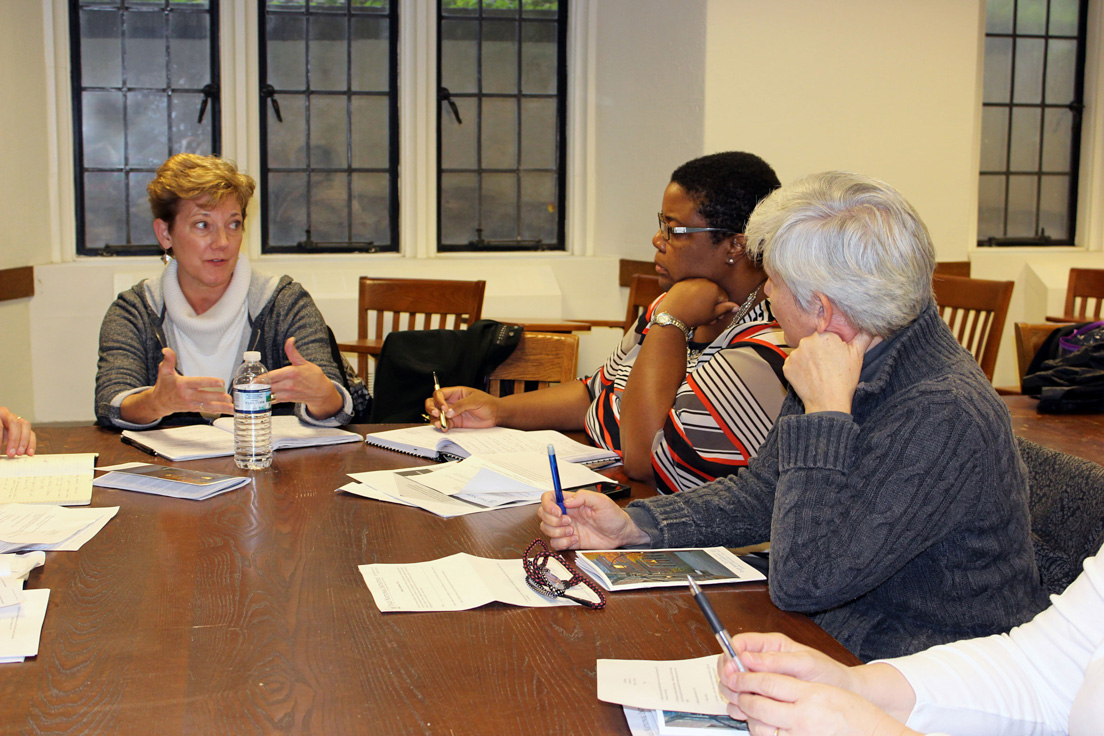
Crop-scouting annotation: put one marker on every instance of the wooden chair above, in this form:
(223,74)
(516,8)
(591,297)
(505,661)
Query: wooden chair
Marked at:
(953,268)
(1084,296)
(643,290)
(1029,338)
(627,268)
(386,305)
(539,360)
(975,310)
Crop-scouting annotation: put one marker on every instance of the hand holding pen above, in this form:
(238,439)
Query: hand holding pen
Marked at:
(714,623)
(556,479)
(436,388)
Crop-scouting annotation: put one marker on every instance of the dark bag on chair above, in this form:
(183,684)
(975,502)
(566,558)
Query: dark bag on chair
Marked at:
(404,372)
(1068,382)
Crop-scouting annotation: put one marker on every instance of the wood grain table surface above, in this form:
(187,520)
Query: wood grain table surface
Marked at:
(246,614)
(1077,434)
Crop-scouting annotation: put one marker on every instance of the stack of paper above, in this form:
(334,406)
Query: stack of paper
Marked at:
(679,697)
(163,480)
(62,479)
(26,526)
(478,483)
(199,441)
(21,611)
(429,442)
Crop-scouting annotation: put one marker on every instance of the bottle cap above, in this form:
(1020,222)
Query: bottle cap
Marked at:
(252,356)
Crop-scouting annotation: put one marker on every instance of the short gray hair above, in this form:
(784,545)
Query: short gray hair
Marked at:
(852,238)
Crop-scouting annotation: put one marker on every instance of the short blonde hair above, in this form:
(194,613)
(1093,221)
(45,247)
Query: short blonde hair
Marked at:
(189,176)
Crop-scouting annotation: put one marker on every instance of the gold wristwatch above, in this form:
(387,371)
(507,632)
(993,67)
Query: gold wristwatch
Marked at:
(665,318)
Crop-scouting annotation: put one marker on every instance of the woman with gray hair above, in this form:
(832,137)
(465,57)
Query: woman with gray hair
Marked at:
(890,488)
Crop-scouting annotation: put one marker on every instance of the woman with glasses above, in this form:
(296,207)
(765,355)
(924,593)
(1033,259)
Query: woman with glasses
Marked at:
(692,391)
(170,345)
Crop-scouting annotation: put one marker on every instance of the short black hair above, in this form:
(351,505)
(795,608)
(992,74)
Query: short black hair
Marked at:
(726,187)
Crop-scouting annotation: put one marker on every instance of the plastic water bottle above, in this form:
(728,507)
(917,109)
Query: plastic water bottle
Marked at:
(252,415)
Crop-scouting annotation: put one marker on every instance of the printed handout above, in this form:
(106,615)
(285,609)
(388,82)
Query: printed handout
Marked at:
(688,685)
(455,583)
(32,526)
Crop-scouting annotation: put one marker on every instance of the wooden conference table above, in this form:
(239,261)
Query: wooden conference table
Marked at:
(246,614)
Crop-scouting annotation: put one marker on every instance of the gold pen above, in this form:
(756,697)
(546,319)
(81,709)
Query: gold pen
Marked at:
(436,388)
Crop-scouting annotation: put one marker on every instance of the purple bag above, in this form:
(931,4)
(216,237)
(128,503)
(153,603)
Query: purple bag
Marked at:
(1082,337)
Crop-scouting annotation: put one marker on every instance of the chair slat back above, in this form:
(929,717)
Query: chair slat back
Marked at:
(539,360)
(643,290)
(389,305)
(1085,293)
(975,310)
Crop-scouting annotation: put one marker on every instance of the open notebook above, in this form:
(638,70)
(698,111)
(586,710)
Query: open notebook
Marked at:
(216,440)
(429,442)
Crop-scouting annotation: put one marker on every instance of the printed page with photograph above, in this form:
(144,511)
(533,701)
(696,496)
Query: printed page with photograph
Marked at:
(629,569)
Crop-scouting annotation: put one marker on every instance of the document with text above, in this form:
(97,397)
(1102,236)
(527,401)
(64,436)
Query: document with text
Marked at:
(25,526)
(688,685)
(64,479)
(455,583)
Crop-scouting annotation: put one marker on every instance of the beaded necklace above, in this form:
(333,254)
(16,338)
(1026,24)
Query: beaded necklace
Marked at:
(692,355)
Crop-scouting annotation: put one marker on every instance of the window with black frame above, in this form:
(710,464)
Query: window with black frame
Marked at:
(1031,121)
(145,86)
(329,126)
(501,66)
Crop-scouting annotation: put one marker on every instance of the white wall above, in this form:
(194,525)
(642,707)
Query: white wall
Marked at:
(887,87)
(24,185)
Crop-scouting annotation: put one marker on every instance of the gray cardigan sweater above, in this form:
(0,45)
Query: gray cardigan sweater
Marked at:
(133,334)
(900,526)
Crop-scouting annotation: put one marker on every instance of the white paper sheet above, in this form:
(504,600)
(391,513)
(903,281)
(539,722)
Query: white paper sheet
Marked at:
(20,566)
(11,592)
(455,583)
(689,685)
(62,479)
(21,627)
(401,486)
(33,526)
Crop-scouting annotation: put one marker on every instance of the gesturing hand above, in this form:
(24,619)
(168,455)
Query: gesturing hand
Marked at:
(824,370)
(304,382)
(174,393)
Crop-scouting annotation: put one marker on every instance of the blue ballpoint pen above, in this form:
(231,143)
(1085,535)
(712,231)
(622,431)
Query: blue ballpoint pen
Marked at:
(714,622)
(556,478)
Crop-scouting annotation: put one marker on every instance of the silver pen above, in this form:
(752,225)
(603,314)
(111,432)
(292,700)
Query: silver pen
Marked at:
(436,388)
(714,623)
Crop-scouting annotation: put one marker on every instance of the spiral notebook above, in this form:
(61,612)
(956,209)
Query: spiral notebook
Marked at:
(198,441)
(429,442)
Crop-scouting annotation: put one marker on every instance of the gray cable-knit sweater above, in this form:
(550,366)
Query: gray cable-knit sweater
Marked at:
(900,526)
(132,335)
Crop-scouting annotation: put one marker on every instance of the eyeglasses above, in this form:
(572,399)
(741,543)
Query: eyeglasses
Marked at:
(549,574)
(667,231)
